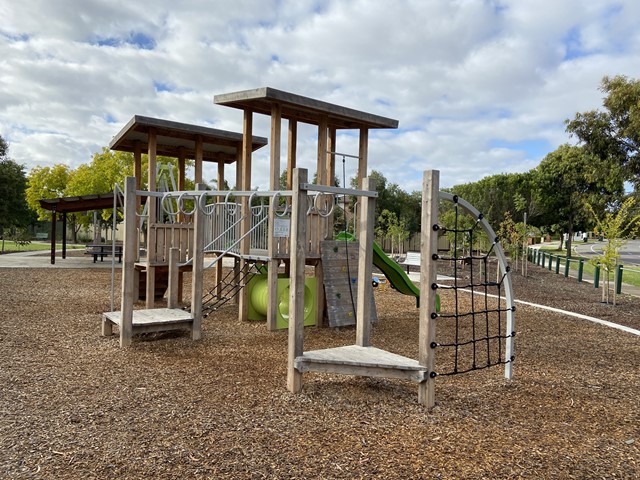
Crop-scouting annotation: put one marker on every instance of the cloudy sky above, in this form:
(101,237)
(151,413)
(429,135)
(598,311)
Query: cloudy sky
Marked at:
(479,87)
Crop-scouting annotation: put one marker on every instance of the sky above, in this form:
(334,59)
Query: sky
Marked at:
(479,87)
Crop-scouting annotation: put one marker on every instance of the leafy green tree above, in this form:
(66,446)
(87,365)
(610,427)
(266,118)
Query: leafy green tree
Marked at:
(616,227)
(506,192)
(4,148)
(569,177)
(14,211)
(512,236)
(46,182)
(391,198)
(106,169)
(388,226)
(613,133)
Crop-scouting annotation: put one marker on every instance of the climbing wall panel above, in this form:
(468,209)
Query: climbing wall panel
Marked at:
(340,267)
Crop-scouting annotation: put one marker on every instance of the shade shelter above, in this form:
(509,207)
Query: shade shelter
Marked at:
(66,205)
(329,118)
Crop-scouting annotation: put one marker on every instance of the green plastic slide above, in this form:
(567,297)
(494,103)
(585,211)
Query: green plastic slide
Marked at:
(396,276)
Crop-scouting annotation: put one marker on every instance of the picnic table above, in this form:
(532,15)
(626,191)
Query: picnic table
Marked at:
(104,250)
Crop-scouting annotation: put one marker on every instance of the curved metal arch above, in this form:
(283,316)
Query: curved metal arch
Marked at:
(502,261)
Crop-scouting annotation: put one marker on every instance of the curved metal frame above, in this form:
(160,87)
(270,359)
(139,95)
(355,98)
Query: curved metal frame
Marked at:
(508,287)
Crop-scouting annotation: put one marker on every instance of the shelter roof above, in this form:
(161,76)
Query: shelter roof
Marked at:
(172,137)
(303,109)
(82,203)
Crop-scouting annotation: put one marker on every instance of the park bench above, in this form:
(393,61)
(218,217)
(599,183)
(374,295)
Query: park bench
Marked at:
(42,236)
(103,250)
(411,260)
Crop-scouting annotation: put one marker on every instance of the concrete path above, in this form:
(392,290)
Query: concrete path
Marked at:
(42,259)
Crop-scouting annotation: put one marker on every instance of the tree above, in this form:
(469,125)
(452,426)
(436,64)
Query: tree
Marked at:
(46,182)
(388,226)
(4,148)
(512,236)
(406,207)
(615,132)
(616,227)
(506,192)
(14,211)
(569,177)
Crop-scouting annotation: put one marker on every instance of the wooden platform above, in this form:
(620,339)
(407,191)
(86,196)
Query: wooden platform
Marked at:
(362,361)
(152,320)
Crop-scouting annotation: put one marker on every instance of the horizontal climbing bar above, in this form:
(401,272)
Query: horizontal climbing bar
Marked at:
(338,190)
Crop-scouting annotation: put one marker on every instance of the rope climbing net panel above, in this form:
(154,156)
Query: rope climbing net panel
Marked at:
(475,326)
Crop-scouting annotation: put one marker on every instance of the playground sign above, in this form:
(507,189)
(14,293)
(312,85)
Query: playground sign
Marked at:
(281,227)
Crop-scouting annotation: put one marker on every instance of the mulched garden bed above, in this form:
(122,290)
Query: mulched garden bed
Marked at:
(75,405)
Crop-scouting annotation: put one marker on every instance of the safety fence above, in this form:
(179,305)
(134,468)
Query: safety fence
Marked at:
(561,263)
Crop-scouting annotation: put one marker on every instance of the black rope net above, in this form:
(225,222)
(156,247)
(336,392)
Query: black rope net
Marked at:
(470,327)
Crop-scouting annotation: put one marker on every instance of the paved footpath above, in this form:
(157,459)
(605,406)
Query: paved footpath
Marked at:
(42,259)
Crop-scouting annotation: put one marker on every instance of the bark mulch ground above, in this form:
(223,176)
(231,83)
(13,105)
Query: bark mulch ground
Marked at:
(74,405)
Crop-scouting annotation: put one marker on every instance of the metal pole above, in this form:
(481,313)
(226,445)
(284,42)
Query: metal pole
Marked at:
(618,276)
(580,269)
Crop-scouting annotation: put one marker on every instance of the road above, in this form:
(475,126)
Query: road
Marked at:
(629,253)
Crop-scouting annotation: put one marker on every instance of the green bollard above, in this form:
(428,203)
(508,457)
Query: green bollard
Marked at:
(558,264)
(567,263)
(596,276)
(618,277)
(580,269)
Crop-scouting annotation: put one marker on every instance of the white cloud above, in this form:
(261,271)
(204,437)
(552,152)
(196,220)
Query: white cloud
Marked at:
(474,84)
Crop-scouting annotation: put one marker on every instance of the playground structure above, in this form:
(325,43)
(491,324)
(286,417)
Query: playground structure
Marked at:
(197,229)
(362,358)
(213,230)
(260,238)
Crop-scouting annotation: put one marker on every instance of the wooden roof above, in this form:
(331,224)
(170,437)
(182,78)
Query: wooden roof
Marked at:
(171,137)
(303,109)
(82,203)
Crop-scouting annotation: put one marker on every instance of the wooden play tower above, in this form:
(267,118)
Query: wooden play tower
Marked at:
(328,118)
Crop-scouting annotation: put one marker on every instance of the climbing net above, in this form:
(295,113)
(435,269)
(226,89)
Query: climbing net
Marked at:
(475,325)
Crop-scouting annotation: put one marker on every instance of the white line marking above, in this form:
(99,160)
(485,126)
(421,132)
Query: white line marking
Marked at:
(584,317)
(606,323)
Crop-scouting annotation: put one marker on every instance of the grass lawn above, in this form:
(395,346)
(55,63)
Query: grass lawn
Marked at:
(11,247)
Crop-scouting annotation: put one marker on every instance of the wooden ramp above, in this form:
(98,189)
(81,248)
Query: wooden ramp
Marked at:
(362,361)
(152,320)
(340,266)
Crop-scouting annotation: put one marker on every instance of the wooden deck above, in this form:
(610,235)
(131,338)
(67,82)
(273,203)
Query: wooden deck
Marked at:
(153,320)
(362,361)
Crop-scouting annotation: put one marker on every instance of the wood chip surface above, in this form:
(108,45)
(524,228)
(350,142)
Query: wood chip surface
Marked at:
(73,405)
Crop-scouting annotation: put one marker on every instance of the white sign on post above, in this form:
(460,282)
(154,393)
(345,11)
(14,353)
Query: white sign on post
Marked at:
(281,227)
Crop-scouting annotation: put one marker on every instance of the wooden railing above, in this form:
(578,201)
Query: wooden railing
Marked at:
(167,235)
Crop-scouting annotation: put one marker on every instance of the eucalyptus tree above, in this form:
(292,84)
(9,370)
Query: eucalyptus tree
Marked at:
(570,177)
(613,134)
